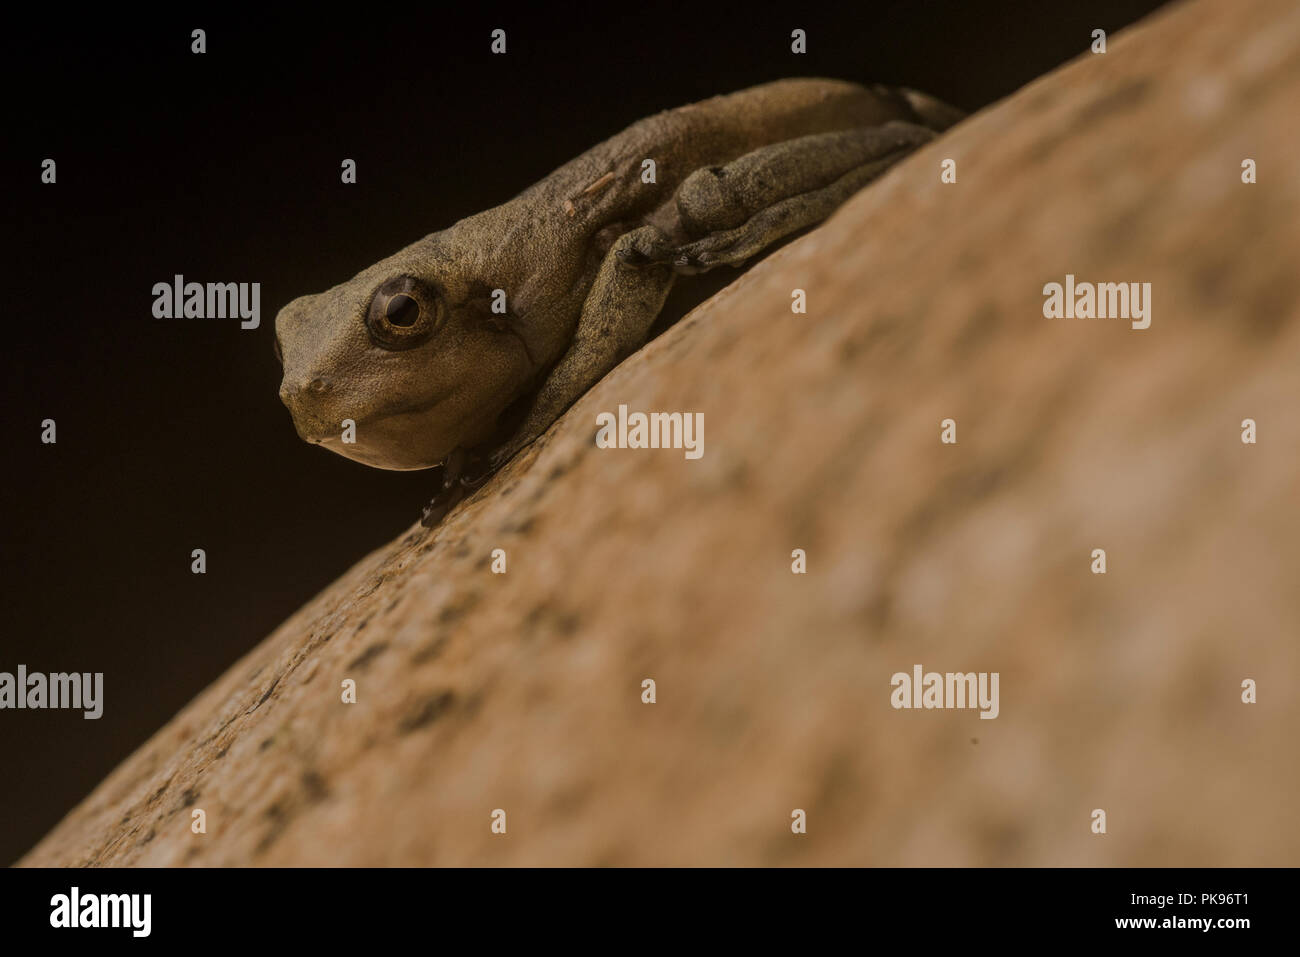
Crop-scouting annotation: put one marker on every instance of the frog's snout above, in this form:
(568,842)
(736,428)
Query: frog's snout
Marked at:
(315,387)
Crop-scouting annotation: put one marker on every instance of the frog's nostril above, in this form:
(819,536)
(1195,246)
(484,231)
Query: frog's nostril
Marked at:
(297,390)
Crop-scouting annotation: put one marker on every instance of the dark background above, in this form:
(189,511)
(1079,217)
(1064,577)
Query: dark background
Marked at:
(225,168)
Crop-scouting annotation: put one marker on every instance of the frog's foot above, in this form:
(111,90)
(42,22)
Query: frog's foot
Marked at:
(653,248)
(481,468)
(732,247)
(450,489)
(460,475)
(441,504)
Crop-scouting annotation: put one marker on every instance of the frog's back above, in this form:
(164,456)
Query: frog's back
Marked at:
(604,183)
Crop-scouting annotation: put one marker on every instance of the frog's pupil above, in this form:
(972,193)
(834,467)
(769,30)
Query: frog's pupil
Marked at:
(402,310)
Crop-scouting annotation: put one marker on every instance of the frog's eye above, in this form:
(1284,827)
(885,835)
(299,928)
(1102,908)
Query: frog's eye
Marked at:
(403,313)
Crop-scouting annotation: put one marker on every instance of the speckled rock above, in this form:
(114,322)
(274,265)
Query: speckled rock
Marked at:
(522,691)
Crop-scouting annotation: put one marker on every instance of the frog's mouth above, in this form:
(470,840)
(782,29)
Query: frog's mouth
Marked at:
(415,435)
(316,422)
(379,457)
(420,407)
(386,451)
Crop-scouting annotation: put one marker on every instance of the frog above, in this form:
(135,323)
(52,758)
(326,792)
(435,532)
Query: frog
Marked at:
(461,349)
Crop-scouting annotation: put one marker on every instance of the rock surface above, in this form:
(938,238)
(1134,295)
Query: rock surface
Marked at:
(1121,691)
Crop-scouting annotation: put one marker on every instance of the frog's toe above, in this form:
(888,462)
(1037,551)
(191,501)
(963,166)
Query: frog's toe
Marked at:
(478,471)
(498,459)
(704,254)
(688,263)
(441,504)
(645,247)
(633,257)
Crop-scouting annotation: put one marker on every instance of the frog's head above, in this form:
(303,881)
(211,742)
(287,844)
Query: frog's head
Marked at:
(410,351)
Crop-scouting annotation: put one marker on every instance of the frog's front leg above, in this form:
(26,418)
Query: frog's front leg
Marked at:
(623,303)
(740,209)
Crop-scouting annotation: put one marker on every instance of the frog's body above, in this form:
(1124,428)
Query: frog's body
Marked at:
(416,351)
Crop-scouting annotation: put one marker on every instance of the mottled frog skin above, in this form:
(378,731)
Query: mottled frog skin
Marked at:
(413,351)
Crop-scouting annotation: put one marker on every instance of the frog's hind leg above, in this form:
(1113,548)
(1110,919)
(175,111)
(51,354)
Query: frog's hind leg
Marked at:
(738,210)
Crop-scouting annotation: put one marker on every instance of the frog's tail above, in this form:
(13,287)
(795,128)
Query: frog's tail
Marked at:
(928,110)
